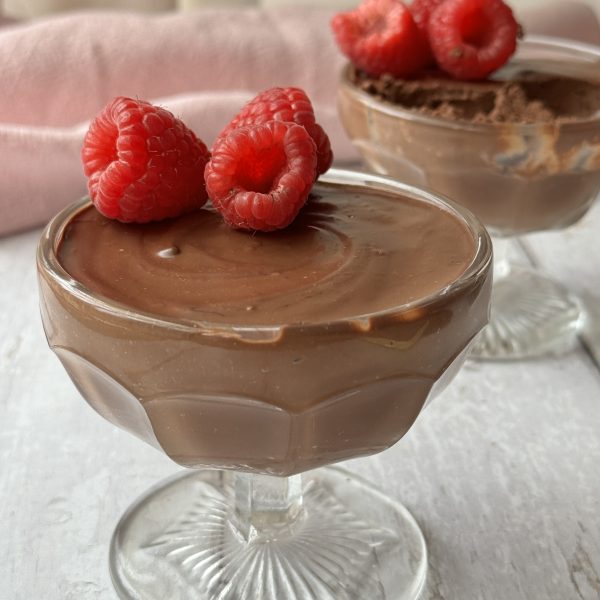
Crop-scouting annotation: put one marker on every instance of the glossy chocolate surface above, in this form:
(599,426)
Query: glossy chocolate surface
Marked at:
(346,255)
(377,297)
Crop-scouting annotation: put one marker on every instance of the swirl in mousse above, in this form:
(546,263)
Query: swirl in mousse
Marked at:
(273,353)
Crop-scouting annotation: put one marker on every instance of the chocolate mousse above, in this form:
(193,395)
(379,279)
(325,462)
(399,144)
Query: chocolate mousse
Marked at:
(345,256)
(527,98)
(521,149)
(271,352)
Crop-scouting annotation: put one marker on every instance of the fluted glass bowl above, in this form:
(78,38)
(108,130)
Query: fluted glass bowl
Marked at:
(267,402)
(517,178)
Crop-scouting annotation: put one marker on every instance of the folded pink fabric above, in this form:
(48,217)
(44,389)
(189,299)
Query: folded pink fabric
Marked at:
(59,72)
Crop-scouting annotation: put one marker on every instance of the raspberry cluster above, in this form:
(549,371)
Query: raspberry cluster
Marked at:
(467,39)
(143,164)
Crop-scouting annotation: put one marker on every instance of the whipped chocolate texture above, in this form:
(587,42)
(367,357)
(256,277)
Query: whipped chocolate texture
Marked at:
(527,98)
(272,353)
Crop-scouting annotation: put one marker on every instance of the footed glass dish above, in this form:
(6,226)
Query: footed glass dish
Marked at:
(517,178)
(253,411)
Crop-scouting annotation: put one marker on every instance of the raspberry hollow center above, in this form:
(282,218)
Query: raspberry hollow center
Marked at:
(475,29)
(258,171)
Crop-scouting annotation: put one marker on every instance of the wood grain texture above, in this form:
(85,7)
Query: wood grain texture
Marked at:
(501,471)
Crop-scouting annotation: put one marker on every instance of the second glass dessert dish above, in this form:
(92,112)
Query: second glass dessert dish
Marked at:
(517,177)
(254,359)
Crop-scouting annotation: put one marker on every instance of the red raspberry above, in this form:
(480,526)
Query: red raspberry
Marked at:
(380,36)
(259,177)
(472,38)
(290,105)
(421,11)
(142,163)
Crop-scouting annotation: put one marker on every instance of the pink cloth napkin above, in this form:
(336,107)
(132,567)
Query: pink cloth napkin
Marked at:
(201,65)
(59,72)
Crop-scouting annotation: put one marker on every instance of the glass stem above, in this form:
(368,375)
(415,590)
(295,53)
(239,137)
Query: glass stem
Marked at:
(266,506)
(501,263)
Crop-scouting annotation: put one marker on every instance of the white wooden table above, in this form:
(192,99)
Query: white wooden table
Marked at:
(502,471)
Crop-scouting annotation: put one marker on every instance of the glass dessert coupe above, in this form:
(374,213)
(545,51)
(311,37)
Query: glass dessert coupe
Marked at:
(253,409)
(517,178)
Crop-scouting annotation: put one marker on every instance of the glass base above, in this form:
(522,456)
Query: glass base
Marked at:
(531,316)
(350,541)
